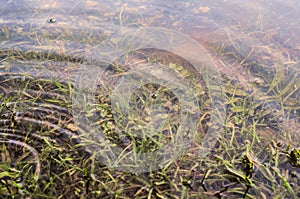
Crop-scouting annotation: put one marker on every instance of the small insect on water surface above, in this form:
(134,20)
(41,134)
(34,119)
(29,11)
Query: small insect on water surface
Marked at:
(52,20)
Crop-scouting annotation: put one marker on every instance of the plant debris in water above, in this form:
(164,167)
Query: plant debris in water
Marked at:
(41,149)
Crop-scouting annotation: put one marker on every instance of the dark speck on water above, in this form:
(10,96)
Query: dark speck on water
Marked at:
(52,20)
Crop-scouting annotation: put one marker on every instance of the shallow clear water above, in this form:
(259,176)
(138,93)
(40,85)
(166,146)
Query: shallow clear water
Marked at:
(54,55)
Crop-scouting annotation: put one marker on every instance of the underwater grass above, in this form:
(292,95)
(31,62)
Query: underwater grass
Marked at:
(255,157)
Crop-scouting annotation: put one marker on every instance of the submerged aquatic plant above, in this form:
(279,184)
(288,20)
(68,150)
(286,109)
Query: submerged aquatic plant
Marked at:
(294,157)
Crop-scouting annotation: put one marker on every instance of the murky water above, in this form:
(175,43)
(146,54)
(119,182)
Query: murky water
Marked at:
(54,55)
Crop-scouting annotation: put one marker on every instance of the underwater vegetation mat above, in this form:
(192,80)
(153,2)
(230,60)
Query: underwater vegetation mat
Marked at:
(137,61)
(37,145)
(43,148)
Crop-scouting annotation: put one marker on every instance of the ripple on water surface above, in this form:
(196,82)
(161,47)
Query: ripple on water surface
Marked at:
(35,120)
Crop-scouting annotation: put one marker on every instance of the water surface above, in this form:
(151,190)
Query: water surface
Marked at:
(49,50)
